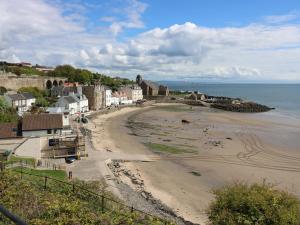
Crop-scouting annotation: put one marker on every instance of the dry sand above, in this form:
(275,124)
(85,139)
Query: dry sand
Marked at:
(221,147)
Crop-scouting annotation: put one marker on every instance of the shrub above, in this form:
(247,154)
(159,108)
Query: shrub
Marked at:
(257,204)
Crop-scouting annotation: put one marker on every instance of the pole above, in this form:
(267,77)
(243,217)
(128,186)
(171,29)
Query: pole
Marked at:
(45,186)
(11,216)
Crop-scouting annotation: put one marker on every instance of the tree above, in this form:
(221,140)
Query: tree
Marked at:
(41,102)
(257,204)
(36,92)
(3,104)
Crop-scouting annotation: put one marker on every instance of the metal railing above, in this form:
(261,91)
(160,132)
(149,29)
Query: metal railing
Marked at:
(11,216)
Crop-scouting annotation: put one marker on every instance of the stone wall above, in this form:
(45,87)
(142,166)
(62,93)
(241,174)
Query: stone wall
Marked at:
(13,82)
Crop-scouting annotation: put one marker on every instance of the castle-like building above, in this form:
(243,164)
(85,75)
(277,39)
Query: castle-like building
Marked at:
(151,88)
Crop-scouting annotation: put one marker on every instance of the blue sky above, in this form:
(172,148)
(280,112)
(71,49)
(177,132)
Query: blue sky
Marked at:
(163,40)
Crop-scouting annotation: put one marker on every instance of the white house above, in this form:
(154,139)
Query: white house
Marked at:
(133,92)
(69,103)
(22,102)
(82,102)
(107,95)
(75,103)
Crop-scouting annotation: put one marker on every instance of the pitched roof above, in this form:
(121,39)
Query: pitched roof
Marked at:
(42,122)
(70,99)
(151,84)
(8,130)
(16,97)
(28,95)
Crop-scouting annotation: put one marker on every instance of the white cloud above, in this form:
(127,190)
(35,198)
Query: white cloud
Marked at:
(282,18)
(51,34)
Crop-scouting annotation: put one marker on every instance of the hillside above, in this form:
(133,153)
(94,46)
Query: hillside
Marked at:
(58,203)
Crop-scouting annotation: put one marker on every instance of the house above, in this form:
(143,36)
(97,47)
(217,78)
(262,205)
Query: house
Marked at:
(107,95)
(58,91)
(133,92)
(65,115)
(82,102)
(36,125)
(8,130)
(69,103)
(95,96)
(74,103)
(120,97)
(22,102)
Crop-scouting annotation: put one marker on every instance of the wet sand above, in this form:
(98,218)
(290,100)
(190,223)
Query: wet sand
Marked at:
(214,149)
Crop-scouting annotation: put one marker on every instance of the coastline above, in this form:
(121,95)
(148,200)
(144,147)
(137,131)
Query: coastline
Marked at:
(245,157)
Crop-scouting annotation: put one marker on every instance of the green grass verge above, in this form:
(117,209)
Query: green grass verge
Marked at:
(167,148)
(58,174)
(28,160)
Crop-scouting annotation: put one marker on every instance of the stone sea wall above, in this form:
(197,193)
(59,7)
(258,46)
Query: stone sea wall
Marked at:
(13,82)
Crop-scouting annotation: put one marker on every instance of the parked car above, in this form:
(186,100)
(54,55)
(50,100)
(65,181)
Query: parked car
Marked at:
(70,159)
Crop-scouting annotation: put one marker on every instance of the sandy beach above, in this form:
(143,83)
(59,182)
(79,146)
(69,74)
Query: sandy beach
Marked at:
(180,163)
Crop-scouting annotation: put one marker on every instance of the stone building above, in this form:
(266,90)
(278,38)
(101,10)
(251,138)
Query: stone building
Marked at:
(95,96)
(163,90)
(151,88)
(133,92)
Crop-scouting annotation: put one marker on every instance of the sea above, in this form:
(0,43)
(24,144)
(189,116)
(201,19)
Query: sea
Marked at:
(285,98)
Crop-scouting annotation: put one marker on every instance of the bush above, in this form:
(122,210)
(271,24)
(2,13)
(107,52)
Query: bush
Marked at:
(36,92)
(257,204)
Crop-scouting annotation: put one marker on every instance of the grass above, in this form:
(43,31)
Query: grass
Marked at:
(58,174)
(28,160)
(27,197)
(166,148)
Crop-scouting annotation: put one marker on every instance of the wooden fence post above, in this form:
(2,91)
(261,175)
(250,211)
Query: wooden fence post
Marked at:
(45,186)
(102,203)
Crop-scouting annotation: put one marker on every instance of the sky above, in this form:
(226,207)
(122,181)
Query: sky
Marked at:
(191,40)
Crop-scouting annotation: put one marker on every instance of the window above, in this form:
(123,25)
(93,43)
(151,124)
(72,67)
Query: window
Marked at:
(49,131)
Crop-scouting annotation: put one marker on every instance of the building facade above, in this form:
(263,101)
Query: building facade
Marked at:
(133,92)
(37,125)
(95,96)
(21,102)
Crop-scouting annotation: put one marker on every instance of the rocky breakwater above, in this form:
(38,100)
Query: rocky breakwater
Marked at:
(137,183)
(247,107)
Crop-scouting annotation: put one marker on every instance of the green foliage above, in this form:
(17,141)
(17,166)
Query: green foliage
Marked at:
(41,102)
(3,104)
(113,83)
(60,205)
(39,94)
(36,92)
(3,90)
(27,160)
(74,75)
(24,70)
(257,204)
(8,115)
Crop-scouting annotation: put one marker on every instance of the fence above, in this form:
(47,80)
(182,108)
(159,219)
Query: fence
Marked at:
(103,201)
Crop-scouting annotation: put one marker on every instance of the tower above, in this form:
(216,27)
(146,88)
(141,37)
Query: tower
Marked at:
(139,79)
